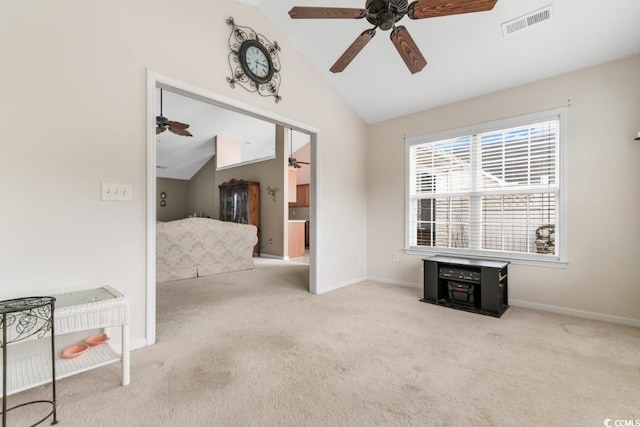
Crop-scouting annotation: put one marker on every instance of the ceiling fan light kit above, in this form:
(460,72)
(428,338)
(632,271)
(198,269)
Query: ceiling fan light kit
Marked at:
(384,14)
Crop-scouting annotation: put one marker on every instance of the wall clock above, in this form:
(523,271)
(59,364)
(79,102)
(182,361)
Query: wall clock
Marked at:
(254,61)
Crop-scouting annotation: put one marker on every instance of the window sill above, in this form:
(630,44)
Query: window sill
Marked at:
(533,260)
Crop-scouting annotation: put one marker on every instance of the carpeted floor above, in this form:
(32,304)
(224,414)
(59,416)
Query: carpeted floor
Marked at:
(254,348)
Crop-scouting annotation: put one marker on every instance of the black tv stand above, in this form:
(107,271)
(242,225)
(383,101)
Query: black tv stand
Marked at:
(474,285)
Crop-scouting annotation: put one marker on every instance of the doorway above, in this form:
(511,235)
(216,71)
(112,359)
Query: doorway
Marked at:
(155,80)
(299,176)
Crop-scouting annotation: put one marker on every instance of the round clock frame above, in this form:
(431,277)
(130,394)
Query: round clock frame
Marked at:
(247,56)
(249,51)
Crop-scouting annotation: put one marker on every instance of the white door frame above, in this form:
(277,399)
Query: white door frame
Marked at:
(154,80)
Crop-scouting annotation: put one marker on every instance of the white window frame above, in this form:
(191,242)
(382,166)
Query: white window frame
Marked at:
(560,259)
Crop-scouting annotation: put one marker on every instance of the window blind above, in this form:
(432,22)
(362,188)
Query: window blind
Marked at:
(491,191)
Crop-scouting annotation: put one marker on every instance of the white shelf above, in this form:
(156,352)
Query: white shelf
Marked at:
(35,370)
(74,311)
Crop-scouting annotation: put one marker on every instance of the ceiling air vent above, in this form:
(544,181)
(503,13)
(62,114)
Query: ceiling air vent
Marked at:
(526,21)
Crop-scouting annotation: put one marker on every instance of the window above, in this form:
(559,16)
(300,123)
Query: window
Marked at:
(493,189)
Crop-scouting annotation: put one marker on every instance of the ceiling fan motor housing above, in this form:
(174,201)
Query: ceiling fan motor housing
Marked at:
(385,13)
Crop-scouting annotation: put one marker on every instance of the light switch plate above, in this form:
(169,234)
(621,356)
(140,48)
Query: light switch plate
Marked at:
(116,192)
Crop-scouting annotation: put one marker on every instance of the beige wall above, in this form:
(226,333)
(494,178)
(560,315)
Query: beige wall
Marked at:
(228,151)
(203,193)
(90,71)
(272,212)
(602,201)
(177,198)
(303,174)
(184,197)
(73,85)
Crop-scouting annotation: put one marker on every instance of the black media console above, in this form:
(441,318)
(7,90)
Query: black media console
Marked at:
(475,285)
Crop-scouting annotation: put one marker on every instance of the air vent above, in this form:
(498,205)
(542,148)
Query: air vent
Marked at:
(526,21)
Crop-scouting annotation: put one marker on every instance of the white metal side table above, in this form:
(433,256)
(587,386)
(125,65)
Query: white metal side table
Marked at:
(23,319)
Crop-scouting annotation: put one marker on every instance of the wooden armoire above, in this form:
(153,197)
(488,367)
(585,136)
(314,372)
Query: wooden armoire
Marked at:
(240,202)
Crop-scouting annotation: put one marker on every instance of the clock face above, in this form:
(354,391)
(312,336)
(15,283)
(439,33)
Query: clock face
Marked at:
(255,61)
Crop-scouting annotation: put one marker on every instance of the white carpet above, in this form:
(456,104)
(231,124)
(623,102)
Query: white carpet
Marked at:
(254,348)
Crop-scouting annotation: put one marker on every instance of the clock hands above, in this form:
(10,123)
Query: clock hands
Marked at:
(254,61)
(257,62)
(258,67)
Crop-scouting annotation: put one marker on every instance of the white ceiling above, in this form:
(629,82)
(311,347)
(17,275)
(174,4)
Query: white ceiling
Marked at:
(467,54)
(180,157)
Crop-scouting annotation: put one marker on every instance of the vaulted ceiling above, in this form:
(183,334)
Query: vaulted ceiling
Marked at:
(467,54)
(181,157)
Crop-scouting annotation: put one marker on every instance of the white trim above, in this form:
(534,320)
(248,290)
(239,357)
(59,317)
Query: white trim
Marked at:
(133,345)
(137,344)
(561,238)
(394,282)
(507,122)
(154,80)
(576,313)
(314,233)
(533,305)
(250,2)
(270,256)
(151,210)
(336,286)
(560,259)
(517,259)
(248,162)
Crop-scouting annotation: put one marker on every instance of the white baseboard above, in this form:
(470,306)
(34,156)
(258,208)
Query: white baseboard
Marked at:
(533,305)
(576,313)
(263,255)
(138,344)
(395,282)
(133,345)
(335,286)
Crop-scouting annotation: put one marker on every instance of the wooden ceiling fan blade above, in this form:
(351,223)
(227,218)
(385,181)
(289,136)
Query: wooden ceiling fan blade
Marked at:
(353,50)
(408,49)
(421,9)
(299,12)
(293,163)
(177,125)
(160,129)
(181,132)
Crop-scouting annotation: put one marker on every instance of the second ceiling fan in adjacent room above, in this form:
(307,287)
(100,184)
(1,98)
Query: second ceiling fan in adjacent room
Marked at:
(162,123)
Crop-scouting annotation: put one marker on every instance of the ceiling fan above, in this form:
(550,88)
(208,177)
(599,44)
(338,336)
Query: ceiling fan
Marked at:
(293,163)
(162,124)
(384,14)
